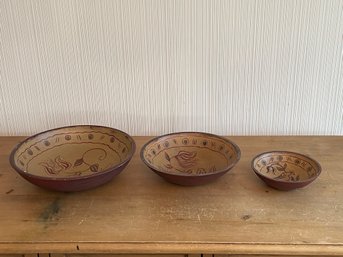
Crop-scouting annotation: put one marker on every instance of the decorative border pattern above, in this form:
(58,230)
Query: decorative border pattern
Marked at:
(216,144)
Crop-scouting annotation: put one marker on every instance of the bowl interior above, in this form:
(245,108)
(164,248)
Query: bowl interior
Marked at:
(190,154)
(286,166)
(73,152)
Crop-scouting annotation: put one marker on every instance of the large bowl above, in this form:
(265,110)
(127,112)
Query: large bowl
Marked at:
(285,170)
(190,158)
(73,158)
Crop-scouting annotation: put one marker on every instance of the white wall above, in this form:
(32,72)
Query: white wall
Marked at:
(235,67)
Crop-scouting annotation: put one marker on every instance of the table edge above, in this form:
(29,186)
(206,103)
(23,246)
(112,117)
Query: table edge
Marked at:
(170,248)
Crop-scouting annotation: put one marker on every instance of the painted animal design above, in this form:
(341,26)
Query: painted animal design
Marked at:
(90,160)
(186,162)
(56,165)
(281,172)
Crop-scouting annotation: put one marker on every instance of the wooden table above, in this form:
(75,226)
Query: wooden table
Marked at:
(138,212)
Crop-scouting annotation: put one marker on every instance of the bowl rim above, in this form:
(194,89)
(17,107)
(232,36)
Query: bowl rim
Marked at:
(46,178)
(287,152)
(235,146)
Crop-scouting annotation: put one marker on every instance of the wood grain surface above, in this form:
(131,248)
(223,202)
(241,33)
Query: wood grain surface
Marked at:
(138,212)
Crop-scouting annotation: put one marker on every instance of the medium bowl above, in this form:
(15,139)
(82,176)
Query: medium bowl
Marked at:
(190,158)
(73,158)
(285,170)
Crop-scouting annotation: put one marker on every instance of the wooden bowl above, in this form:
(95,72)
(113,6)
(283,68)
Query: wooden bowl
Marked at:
(73,158)
(285,170)
(190,158)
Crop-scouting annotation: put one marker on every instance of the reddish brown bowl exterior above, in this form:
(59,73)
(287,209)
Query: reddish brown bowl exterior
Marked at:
(281,185)
(190,180)
(74,184)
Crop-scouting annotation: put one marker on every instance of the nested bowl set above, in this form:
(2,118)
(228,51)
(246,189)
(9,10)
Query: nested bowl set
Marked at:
(77,158)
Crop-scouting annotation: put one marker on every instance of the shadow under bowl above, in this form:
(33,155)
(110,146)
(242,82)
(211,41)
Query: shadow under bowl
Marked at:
(73,158)
(190,158)
(285,170)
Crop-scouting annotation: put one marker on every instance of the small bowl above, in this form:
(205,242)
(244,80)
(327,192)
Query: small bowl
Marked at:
(190,158)
(73,158)
(285,170)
